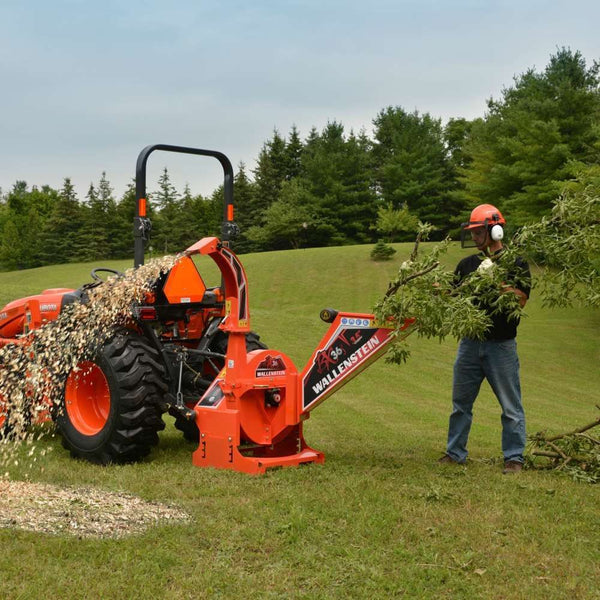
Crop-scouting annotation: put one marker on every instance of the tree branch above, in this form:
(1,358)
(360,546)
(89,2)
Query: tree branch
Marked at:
(576,431)
(393,288)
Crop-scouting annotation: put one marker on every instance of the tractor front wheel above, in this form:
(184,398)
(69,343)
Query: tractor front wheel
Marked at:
(112,404)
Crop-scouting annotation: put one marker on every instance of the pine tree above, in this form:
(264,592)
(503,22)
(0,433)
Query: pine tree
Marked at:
(269,175)
(245,192)
(190,222)
(168,201)
(293,155)
(108,203)
(61,233)
(456,135)
(412,166)
(381,251)
(359,205)
(94,236)
(123,241)
(338,174)
(535,138)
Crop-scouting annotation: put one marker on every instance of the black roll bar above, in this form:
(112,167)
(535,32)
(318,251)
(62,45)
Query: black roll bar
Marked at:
(142,225)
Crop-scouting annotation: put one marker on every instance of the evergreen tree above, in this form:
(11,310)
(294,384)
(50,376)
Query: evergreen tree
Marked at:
(336,171)
(456,136)
(535,138)
(192,219)
(108,204)
(359,204)
(16,250)
(269,175)
(123,242)
(213,212)
(165,230)
(3,212)
(100,232)
(456,133)
(61,232)
(293,155)
(412,166)
(94,235)
(381,251)
(243,199)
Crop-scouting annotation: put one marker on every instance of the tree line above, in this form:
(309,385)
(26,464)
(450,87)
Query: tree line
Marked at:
(336,187)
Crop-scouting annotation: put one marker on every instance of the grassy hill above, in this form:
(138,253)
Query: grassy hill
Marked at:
(380,519)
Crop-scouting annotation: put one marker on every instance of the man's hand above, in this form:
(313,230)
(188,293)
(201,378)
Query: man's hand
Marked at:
(521,295)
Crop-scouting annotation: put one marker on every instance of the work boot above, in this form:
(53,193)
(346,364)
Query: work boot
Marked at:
(512,466)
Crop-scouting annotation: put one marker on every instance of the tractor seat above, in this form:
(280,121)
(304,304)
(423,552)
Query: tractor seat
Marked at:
(71,298)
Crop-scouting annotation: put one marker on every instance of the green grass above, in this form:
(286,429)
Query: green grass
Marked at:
(380,519)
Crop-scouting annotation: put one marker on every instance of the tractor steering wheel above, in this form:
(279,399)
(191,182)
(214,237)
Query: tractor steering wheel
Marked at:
(95,272)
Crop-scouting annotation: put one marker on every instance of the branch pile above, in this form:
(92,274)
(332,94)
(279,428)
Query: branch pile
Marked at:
(575,452)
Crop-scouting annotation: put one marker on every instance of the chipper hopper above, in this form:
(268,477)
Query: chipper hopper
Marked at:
(189,350)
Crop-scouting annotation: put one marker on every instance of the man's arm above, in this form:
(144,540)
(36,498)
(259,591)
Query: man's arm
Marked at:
(523,297)
(524,281)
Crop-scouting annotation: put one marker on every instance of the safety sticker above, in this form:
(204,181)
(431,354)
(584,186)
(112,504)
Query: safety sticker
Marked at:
(213,396)
(356,322)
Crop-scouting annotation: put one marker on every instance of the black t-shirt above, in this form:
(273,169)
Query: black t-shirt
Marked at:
(502,328)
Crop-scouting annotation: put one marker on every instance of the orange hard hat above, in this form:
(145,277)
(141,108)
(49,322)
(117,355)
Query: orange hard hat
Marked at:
(484,215)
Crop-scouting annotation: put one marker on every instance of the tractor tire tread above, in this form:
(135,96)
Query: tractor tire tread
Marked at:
(139,384)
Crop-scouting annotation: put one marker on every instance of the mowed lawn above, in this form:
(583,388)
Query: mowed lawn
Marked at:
(380,519)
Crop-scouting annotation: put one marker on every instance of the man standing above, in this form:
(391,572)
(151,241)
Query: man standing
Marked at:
(493,358)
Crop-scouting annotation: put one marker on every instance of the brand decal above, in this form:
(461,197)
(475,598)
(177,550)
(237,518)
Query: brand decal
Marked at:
(271,366)
(346,355)
(48,307)
(3,315)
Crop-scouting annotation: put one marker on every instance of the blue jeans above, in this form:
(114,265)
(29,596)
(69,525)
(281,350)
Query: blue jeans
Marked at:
(497,361)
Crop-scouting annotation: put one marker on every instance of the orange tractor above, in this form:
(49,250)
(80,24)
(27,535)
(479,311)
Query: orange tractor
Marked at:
(189,350)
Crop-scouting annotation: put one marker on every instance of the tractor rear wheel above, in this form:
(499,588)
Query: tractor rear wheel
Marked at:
(218,345)
(113,403)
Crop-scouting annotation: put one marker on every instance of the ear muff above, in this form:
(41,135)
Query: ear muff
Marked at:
(496,232)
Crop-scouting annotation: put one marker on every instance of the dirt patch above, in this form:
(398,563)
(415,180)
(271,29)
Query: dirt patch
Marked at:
(82,512)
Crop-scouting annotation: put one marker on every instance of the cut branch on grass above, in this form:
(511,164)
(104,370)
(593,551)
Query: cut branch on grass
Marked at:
(575,431)
(576,452)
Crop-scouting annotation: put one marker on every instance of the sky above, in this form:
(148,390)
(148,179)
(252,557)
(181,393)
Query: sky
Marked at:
(85,85)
